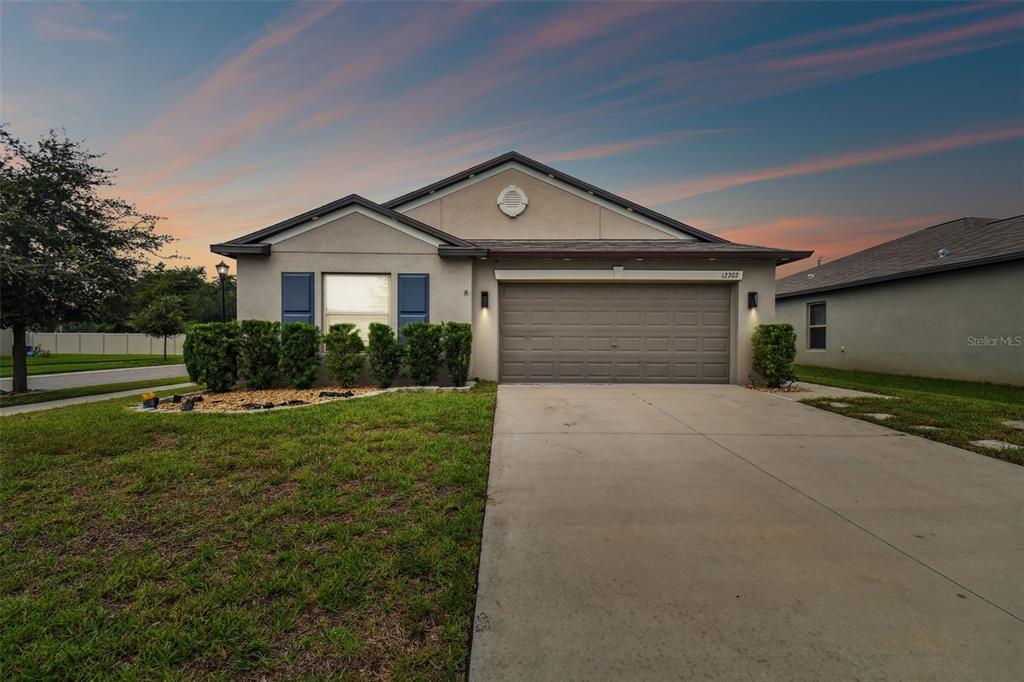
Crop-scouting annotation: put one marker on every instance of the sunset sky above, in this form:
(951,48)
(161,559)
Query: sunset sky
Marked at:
(826,126)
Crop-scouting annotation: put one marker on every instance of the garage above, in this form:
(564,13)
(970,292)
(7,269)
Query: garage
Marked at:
(614,332)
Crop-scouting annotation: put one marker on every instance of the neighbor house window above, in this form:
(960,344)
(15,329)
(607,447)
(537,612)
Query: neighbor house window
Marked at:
(816,320)
(358,300)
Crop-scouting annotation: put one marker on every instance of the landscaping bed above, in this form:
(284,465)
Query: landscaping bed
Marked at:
(256,400)
(335,542)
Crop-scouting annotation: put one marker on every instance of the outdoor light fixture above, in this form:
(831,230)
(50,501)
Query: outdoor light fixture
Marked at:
(484,299)
(752,299)
(222,274)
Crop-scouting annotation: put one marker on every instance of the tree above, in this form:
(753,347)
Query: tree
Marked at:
(64,248)
(162,318)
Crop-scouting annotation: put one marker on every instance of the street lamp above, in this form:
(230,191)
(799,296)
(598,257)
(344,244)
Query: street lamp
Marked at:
(222,273)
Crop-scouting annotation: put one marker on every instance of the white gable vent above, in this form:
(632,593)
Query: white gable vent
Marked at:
(512,201)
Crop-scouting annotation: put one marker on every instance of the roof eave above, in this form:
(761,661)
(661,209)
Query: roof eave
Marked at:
(233,250)
(780,257)
(991,260)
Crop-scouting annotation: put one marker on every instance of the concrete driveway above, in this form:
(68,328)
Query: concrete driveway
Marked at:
(713,532)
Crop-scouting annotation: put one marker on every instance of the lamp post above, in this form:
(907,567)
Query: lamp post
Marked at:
(222,273)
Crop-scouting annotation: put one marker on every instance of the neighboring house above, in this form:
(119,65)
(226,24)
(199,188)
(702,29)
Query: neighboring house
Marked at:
(562,281)
(946,301)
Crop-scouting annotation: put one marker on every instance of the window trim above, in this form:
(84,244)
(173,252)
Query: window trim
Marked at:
(817,326)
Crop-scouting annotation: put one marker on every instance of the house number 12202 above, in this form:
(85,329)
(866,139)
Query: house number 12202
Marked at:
(730,275)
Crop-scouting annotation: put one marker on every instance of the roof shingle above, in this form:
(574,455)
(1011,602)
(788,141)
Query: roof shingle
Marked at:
(960,243)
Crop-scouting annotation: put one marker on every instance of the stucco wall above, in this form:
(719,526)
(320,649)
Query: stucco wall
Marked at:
(552,213)
(759,277)
(925,326)
(353,244)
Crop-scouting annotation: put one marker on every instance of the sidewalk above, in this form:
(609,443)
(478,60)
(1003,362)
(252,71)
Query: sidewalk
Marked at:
(47,382)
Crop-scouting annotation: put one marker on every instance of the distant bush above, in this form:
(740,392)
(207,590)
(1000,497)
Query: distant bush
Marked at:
(457,342)
(345,354)
(385,354)
(211,354)
(298,362)
(423,351)
(259,347)
(774,348)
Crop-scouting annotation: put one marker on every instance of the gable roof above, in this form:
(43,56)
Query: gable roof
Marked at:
(535,165)
(962,243)
(252,242)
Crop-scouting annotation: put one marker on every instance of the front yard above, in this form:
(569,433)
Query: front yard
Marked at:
(958,412)
(60,364)
(340,540)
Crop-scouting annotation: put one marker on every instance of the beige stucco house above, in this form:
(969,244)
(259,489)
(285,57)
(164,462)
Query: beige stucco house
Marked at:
(561,280)
(946,301)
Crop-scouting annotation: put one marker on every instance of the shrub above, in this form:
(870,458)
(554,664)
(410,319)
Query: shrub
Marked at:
(259,345)
(457,341)
(385,354)
(774,352)
(345,359)
(423,351)
(298,363)
(211,354)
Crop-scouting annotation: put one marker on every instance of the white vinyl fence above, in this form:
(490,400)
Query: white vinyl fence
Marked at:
(95,343)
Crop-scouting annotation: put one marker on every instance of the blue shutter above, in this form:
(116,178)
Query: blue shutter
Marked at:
(413,299)
(296,297)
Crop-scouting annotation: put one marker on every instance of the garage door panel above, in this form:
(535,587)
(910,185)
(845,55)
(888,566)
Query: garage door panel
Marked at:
(614,332)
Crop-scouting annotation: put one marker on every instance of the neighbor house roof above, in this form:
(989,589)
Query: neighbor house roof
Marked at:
(961,243)
(251,243)
(622,249)
(516,157)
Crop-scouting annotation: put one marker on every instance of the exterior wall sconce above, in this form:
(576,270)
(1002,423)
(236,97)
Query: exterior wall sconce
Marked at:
(752,299)
(484,299)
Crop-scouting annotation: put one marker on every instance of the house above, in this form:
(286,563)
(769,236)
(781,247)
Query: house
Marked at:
(946,301)
(561,280)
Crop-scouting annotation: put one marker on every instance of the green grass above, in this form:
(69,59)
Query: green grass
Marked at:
(59,364)
(962,410)
(61,393)
(332,541)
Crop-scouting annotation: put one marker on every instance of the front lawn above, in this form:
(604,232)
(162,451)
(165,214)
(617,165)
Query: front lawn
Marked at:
(78,391)
(336,540)
(960,411)
(60,364)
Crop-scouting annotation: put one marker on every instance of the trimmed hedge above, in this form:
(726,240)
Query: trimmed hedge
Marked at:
(385,354)
(423,351)
(298,363)
(211,355)
(774,348)
(457,342)
(344,359)
(259,346)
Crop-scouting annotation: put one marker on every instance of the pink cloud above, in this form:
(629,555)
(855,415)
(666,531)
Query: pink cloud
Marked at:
(675,190)
(619,148)
(71,21)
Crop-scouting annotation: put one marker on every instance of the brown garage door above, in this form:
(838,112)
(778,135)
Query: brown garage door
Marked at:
(673,333)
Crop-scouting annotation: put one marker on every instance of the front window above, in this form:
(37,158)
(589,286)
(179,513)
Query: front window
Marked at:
(358,300)
(816,324)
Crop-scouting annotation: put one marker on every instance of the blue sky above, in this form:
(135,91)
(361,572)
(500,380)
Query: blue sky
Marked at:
(828,126)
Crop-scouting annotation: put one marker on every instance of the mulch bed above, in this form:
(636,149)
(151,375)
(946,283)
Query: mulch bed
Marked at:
(251,400)
(780,389)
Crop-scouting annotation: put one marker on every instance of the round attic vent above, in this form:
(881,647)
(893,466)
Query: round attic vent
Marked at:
(943,253)
(512,201)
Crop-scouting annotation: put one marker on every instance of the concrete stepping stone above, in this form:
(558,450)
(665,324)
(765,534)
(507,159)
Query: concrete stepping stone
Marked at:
(925,427)
(837,404)
(880,416)
(994,444)
(1014,424)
